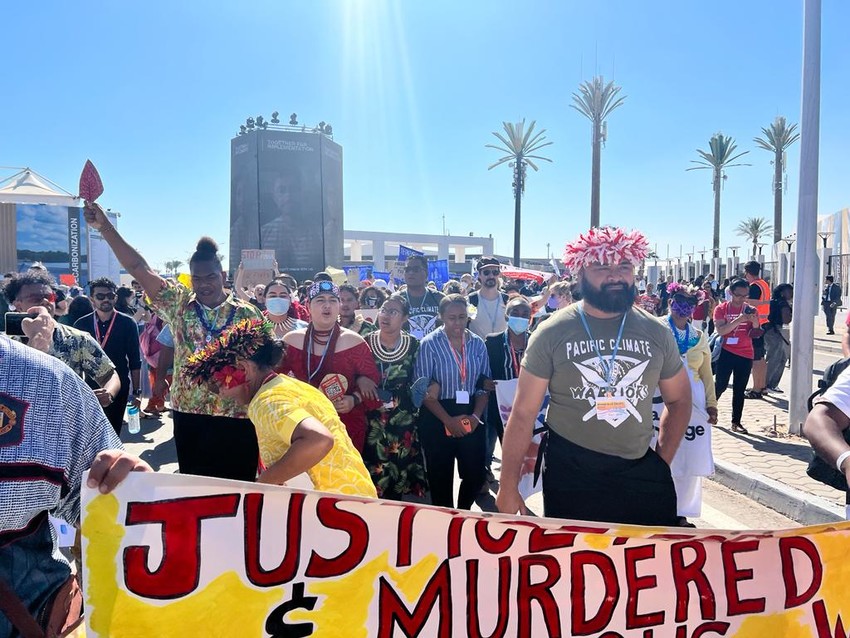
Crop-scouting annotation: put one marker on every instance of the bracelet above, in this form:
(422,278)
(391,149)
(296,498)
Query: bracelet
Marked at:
(841,458)
(357,399)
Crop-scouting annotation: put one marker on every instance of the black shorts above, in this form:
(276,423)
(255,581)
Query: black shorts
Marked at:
(758,348)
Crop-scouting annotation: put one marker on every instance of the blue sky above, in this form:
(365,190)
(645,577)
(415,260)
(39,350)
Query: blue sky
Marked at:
(152,93)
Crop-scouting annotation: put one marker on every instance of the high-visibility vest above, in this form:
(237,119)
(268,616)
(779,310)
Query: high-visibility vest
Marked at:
(763,304)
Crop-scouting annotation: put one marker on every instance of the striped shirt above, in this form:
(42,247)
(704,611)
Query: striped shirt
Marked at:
(438,361)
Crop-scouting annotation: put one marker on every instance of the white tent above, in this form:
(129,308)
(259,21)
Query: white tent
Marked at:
(28,187)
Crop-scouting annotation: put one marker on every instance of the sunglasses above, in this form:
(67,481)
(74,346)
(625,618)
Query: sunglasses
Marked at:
(102,296)
(490,273)
(414,269)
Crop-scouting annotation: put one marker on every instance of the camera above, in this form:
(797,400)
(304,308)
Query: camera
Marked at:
(749,310)
(14,323)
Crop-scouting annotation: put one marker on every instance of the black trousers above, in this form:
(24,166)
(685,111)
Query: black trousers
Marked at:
(830,311)
(584,485)
(441,452)
(115,411)
(217,446)
(729,364)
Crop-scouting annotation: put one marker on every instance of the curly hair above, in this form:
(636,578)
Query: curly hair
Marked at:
(28,278)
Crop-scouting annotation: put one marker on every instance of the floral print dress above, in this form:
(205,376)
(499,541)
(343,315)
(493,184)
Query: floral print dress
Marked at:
(392,452)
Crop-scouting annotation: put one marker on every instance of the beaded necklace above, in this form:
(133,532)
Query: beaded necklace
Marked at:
(389,356)
(209,328)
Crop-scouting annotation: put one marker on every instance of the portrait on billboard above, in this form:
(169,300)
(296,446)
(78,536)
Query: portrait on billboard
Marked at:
(54,235)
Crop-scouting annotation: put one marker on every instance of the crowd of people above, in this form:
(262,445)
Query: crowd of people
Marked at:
(387,391)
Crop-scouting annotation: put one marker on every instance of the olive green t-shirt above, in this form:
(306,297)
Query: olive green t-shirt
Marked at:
(561,350)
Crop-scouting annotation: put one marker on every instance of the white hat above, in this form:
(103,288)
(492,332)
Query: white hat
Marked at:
(380,283)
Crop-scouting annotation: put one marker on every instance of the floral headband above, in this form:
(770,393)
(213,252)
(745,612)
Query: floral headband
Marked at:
(217,361)
(606,245)
(323,287)
(675,288)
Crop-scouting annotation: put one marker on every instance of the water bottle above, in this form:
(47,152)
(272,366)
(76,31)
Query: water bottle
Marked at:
(134,424)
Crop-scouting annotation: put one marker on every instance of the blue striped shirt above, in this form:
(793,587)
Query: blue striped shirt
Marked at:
(437,361)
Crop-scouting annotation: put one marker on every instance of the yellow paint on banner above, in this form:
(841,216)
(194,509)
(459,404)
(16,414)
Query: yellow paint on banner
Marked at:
(102,588)
(348,599)
(788,624)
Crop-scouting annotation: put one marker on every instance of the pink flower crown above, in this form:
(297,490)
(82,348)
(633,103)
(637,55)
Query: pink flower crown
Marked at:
(608,245)
(675,288)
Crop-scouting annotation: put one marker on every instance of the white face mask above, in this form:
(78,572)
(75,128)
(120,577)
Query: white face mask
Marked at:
(277,305)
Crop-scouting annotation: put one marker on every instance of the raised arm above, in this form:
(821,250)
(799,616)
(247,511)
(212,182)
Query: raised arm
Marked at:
(129,257)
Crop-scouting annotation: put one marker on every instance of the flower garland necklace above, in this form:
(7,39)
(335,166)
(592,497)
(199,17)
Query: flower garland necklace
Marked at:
(389,356)
(683,337)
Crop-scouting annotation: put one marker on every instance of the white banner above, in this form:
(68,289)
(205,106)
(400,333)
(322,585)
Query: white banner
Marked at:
(505,392)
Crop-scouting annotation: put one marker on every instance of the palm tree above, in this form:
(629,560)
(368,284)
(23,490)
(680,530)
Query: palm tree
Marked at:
(171,266)
(753,228)
(519,146)
(596,100)
(777,138)
(718,159)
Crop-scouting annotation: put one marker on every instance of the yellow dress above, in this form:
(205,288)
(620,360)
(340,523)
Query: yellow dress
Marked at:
(279,406)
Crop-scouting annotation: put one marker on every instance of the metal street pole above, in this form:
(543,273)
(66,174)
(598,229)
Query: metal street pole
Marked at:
(806,272)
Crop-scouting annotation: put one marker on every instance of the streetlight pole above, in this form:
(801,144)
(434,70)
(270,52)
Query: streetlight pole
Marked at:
(805,285)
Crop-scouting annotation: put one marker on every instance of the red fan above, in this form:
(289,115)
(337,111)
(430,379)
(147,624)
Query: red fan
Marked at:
(91,186)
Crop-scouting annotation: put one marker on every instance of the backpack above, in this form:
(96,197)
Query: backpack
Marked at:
(819,469)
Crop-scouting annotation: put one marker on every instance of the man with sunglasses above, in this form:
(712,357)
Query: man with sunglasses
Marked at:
(489,301)
(424,303)
(32,292)
(118,335)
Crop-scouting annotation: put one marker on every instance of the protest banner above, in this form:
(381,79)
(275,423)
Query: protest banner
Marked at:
(176,555)
(505,392)
(404,252)
(257,267)
(438,272)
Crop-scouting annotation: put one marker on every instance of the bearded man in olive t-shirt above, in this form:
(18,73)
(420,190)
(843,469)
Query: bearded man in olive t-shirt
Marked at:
(601,361)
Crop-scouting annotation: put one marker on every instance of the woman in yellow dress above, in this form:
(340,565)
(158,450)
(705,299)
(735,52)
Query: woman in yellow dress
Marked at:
(297,426)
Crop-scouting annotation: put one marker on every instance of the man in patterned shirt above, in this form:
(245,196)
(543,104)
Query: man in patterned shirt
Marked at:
(32,292)
(212,435)
(52,429)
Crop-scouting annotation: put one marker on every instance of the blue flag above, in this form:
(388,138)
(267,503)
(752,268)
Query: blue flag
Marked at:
(404,252)
(438,272)
(381,275)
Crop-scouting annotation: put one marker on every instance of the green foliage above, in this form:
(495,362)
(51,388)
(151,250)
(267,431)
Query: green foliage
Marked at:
(778,136)
(519,144)
(596,100)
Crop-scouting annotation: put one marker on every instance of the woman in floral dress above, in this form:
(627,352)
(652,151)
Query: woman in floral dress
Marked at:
(392,453)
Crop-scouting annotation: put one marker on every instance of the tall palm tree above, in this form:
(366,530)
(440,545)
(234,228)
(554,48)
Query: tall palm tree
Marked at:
(519,146)
(753,228)
(596,100)
(777,138)
(719,157)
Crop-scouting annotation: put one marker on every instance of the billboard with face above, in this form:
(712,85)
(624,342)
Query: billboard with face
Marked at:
(54,235)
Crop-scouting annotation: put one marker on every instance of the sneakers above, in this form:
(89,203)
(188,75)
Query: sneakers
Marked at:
(775,390)
(740,429)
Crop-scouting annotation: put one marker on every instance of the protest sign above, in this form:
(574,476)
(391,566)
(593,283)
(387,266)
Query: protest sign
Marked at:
(257,267)
(505,392)
(176,555)
(404,252)
(438,272)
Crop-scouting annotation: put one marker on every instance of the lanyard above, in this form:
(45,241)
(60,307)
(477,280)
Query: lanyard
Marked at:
(309,352)
(514,361)
(461,362)
(607,368)
(103,341)
(683,346)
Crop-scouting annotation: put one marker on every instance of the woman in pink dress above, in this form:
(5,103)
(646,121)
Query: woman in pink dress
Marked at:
(335,360)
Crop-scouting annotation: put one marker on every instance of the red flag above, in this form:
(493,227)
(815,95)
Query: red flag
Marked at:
(91,186)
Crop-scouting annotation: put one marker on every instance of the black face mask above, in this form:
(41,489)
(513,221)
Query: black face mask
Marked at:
(610,297)
(371,302)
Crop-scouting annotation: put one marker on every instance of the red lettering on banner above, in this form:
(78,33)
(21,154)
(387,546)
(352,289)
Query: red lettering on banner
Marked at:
(541,592)
(581,624)
(358,532)
(392,611)
(490,544)
(635,584)
(719,628)
(288,566)
(543,540)
(786,545)
(179,569)
(822,622)
(691,573)
(473,626)
(405,536)
(732,576)
(455,528)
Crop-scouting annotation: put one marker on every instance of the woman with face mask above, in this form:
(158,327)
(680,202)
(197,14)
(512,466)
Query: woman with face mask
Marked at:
(505,351)
(693,460)
(278,298)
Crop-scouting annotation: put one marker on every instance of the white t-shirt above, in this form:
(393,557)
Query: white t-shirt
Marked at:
(838,394)
(490,317)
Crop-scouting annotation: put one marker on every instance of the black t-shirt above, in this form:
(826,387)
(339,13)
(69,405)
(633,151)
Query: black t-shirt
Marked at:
(122,344)
(775,316)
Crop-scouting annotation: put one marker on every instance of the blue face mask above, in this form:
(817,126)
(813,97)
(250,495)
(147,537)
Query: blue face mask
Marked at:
(518,325)
(552,302)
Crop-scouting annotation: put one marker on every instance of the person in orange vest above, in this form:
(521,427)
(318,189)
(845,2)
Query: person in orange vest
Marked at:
(760,299)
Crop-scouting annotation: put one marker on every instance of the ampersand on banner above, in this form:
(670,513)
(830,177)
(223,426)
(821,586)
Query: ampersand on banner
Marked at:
(276,624)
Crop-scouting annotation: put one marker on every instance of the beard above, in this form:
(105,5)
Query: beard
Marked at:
(609,297)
